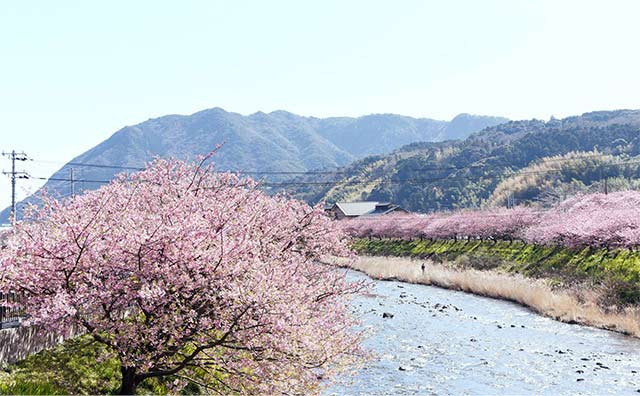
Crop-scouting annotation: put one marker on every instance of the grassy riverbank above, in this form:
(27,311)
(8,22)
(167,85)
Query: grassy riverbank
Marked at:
(599,288)
(616,273)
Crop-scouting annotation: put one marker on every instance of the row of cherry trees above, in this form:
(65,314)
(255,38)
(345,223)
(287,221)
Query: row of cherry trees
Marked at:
(595,220)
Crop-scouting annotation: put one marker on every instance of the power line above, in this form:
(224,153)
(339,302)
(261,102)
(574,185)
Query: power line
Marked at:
(357,180)
(535,162)
(67,180)
(302,173)
(90,165)
(453,178)
(387,181)
(435,179)
(437,207)
(414,180)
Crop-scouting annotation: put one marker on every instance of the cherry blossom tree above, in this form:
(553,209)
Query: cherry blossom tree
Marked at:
(483,224)
(190,273)
(591,220)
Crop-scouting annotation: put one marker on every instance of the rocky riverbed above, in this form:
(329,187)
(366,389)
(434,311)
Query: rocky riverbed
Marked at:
(429,340)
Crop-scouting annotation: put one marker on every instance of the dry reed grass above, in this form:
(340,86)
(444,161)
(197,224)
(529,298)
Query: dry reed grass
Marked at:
(561,305)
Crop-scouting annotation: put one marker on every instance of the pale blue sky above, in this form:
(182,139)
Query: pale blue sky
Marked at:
(72,73)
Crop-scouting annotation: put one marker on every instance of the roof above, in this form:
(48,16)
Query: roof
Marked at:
(356,208)
(384,209)
(365,208)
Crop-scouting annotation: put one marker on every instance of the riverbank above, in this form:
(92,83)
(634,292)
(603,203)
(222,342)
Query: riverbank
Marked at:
(567,296)
(613,273)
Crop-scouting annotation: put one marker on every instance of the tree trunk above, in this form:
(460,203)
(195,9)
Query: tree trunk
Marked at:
(129,381)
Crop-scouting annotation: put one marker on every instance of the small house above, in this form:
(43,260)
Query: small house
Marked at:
(342,210)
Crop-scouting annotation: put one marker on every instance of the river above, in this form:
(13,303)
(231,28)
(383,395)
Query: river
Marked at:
(447,342)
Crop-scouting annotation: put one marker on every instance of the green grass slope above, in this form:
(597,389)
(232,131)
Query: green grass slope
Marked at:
(616,272)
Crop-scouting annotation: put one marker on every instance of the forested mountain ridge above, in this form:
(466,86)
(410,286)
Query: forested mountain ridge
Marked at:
(447,175)
(265,142)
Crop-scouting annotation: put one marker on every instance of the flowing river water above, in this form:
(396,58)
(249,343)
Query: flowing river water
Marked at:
(447,342)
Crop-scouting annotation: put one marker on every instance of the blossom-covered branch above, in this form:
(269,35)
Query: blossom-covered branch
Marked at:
(183,270)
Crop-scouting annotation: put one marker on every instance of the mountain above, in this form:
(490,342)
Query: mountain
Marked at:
(276,141)
(454,174)
(381,133)
(464,124)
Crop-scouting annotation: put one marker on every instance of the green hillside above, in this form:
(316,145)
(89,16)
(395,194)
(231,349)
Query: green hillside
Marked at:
(483,169)
(552,179)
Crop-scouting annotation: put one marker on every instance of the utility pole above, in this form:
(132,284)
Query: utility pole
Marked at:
(15,175)
(73,192)
(606,182)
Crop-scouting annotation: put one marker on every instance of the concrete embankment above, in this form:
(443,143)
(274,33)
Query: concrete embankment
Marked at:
(19,342)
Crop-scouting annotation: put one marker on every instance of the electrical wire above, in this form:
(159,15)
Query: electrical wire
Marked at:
(381,181)
(89,165)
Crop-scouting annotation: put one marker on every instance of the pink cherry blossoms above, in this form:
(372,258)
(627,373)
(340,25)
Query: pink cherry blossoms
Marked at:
(597,220)
(187,272)
(594,220)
